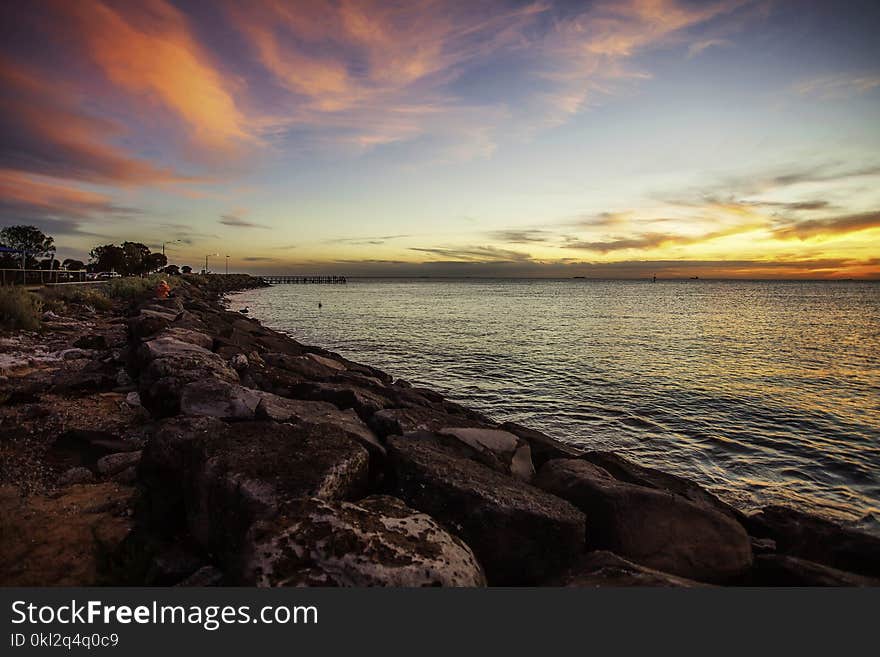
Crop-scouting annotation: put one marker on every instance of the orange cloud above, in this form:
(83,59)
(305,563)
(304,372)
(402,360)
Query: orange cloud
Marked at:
(829,227)
(148,50)
(377,72)
(45,132)
(25,190)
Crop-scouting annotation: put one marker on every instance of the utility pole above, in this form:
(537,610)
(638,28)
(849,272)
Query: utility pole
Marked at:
(227,265)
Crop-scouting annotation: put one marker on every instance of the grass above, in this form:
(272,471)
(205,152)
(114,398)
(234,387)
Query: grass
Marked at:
(137,288)
(58,297)
(19,309)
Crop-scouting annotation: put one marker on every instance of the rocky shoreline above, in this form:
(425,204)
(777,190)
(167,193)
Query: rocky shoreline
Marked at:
(173,442)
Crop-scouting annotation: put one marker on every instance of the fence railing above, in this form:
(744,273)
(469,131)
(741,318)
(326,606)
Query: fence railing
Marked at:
(40,276)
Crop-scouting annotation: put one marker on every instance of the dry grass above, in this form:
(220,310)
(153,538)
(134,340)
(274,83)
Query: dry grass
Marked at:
(19,309)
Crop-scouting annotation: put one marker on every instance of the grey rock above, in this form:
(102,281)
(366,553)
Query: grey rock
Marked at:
(809,537)
(127,476)
(282,409)
(123,379)
(75,354)
(204,576)
(655,528)
(544,448)
(521,535)
(114,463)
(378,541)
(77,475)
(398,421)
(188,336)
(785,570)
(624,470)
(220,399)
(165,347)
(493,446)
(216,479)
(603,569)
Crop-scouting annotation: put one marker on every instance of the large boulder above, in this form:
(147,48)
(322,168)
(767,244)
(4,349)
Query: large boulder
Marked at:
(398,421)
(810,537)
(169,346)
(188,336)
(603,569)
(115,463)
(168,365)
(220,399)
(307,366)
(297,411)
(655,528)
(499,450)
(520,534)
(363,400)
(544,448)
(378,541)
(785,570)
(216,479)
(624,470)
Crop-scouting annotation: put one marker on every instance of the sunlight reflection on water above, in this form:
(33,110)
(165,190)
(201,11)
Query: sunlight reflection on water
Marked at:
(762,391)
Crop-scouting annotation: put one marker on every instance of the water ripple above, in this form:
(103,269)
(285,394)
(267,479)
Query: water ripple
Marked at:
(764,392)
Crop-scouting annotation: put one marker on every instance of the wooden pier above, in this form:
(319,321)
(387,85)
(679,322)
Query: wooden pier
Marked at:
(302,280)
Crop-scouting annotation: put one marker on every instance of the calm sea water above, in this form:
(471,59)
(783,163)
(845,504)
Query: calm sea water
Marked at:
(761,391)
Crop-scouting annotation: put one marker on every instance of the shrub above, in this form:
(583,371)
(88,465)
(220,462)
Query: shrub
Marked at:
(19,309)
(134,288)
(58,297)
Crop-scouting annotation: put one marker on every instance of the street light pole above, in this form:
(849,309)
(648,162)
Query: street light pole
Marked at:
(227,265)
(206,260)
(164,243)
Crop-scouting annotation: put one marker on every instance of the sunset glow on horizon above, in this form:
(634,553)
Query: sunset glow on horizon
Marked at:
(732,138)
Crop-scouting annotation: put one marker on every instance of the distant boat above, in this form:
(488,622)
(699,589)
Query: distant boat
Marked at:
(578,276)
(695,278)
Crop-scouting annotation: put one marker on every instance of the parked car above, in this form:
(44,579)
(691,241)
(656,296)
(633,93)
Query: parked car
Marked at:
(107,275)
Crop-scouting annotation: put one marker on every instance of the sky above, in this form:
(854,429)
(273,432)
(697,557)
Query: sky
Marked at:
(624,138)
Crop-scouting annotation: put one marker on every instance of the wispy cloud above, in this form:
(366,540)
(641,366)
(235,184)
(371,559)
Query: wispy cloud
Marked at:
(830,226)
(365,241)
(475,254)
(236,219)
(839,85)
(525,236)
(45,132)
(699,46)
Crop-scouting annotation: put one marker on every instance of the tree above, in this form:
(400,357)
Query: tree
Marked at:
(135,257)
(29,239)
(155,261)
(186,269)
(171,270)
(108,257)
(72,265)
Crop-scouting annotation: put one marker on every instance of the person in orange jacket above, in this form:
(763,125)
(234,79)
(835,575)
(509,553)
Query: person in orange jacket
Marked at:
(162,290)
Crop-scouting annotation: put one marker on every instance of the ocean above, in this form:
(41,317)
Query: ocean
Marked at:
(764,392)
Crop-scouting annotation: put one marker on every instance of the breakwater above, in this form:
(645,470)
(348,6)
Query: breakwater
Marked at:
(241,456)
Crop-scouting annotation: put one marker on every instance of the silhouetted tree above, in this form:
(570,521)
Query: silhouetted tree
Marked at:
(107,257)
(186,269)
(29,239)
(135,258)
(172,270)
(72,265)
(155,261)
